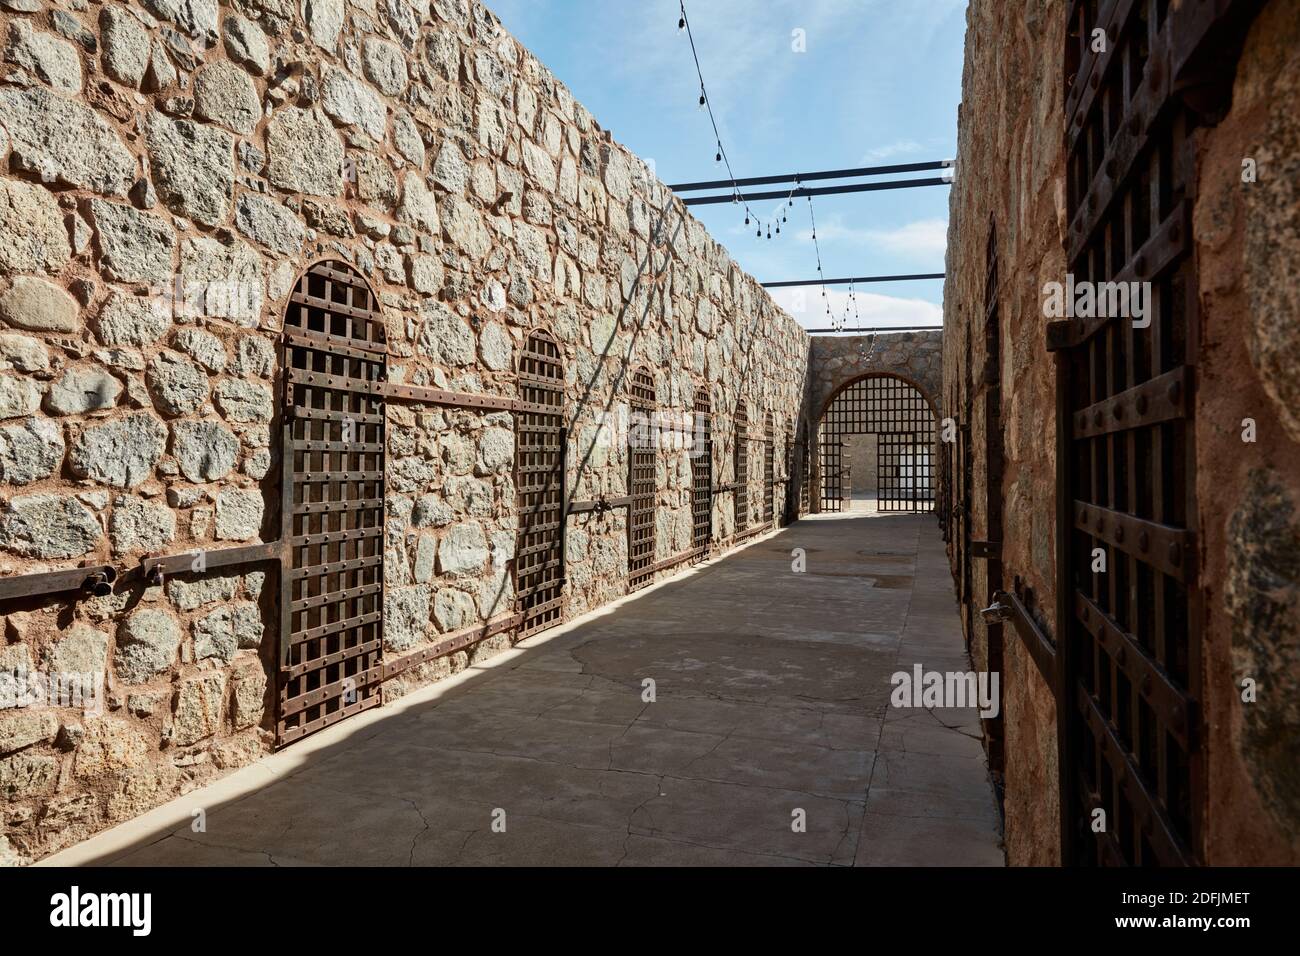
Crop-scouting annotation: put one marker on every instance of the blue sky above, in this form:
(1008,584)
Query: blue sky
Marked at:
(879,83)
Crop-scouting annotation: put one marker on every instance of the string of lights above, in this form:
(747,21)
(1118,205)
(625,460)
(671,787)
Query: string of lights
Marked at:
(751,218)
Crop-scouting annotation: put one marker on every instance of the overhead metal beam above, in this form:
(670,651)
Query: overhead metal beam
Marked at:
(810,177)
(802,191)
(860,280)
(901,328)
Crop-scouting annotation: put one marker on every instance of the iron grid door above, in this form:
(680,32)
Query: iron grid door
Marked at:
(539,485)
(904,472)
(702,473)
(332,502)
(641,482)
(741,455)
(769,469)
(1129,676)
(805,470)
(900,415)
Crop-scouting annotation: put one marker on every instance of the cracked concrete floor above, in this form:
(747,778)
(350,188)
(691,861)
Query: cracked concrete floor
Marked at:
(771,703)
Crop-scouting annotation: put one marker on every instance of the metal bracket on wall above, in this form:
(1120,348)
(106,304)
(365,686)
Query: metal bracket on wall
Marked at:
(991,550)
(92,580)
(1007,606)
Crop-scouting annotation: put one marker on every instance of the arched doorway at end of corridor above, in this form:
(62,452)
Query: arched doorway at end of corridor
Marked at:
(876,445)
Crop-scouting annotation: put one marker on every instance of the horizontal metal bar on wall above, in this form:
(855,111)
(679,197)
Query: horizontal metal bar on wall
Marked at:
(859,280)
(803,192)
(810,177)
(216,558)
(451,644)
(1041,648)
(92,579)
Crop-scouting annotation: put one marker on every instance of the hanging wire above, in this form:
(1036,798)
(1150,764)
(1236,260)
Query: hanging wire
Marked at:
(720,156)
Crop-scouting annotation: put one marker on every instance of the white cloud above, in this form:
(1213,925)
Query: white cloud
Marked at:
(902,147)
(868,309)
(923,239)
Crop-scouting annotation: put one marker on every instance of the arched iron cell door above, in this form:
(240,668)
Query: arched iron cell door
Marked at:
(741,455)
(334,361)
(641,481)
(702,472)
(903,423)
(539,485)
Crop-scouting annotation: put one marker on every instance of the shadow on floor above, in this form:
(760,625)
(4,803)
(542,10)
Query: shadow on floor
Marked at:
(736,715)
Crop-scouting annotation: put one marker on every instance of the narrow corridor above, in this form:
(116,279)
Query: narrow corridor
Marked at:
(771,709)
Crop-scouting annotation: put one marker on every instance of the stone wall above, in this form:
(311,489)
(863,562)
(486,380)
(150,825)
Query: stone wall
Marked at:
(837,360)
(167,171)
(1011,176)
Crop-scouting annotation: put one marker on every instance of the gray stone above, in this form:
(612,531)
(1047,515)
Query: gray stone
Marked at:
(198,18)
(65,141)
(376,185)
(205,450)
(246,620)
(240,401)
(384,65)
(253,356)
(425,274)
(24,728)
(80,650)
(198,708)
(426,552)
(496,450)
(496,595)
(52,60)
(30,450)
(496,348)
(246,44)
(463,226)
(161,74)
(48,526)
(453,610)
(430,511)
(224,94)
(324,21)
(248,691)
(178,386)
(121,453)
(82,389)
(126,45)
(27,775)
(418,208)
(267,222)
(445,337)
(350,103)
(304,153)
(134,246)
(193,168)
(406,137)
(214,636)
(223,279)
(39,306)
(189,595)
(146,645)
(128,320)
(32,234)
(239,514)
(139,525)
(406,617)
(463,550)
(449,169)
(204,347)
(18,396)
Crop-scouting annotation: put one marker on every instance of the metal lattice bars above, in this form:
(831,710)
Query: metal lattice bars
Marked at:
(1129,675)
(769,469)
(741,456)
(900,416)
(702,473)
(332,565)
(641,481)
(539,485)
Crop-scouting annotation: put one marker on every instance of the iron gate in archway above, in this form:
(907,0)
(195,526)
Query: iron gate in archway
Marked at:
(740,455)
(903,423)
(539,485)
(332,502)
(702,472)
(641,482)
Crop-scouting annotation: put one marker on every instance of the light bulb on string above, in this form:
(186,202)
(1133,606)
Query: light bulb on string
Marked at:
(701,99)
(681,23)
